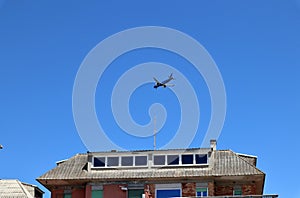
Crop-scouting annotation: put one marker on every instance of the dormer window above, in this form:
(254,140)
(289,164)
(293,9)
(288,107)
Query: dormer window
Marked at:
(149,159)
(201,159)
(99,161)
(112,161)
(173,159)
(141,160)
(127,161)
(159,160)
(187,159)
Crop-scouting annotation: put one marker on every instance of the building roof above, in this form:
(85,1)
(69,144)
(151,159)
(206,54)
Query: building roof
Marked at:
(15,189)
(228,163)
(222,163)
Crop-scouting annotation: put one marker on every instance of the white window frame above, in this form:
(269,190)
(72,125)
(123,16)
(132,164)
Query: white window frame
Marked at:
(133,159)
(147,160)
(93,162)
(119,161)
(201,195)
(201,154)
(149,163)
(194,159)
(180,159)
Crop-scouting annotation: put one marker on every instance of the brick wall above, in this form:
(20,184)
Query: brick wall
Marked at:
(211,188)
(114,191)
(221,190)
(88,191)
(78,193)
(188,189)
(249,189)
(57,194)
(149,190)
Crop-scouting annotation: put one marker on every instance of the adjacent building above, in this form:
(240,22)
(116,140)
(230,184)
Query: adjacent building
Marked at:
(199,172)
(12,188)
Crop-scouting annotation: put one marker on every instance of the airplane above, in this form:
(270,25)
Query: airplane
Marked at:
(163,83)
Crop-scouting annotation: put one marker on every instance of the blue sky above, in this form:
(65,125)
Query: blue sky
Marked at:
(255,44)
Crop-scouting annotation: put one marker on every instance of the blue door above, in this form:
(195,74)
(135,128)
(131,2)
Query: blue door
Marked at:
(168,193)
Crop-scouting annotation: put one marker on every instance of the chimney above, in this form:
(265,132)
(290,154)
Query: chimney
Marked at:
(213,145)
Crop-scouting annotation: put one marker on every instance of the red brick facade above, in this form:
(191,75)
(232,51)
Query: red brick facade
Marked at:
(223,190)
(211,188)
(187,190)
(149,190)
(78,193)
(114,191)
(249,189)
(57,194)
(88,191)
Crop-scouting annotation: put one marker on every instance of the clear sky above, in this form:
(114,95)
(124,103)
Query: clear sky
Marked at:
(255,44)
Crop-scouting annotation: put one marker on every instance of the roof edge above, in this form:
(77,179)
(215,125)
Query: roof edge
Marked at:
(238,155)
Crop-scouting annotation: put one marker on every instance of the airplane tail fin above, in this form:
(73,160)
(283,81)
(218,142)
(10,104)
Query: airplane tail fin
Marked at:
(171,76)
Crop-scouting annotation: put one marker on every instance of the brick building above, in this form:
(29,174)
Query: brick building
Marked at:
(198,172)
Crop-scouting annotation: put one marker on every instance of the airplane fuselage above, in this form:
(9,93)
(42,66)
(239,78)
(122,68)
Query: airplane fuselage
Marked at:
(159,85)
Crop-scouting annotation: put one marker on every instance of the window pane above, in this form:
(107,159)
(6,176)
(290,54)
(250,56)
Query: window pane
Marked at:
(201,192)
(67,196)
(99,161)
(127,161)
(140,160)
(173,159)
(159,160)
(135,193)
(97,193)
(187,159)
(168,193)
(201,189)
(201,159)
(237,192)
(112,161)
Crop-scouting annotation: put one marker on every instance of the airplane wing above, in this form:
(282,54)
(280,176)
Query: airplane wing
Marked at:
(156,80)
(170,85)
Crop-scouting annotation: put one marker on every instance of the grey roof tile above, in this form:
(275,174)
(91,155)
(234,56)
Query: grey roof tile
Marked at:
(13,189)
(222,163)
